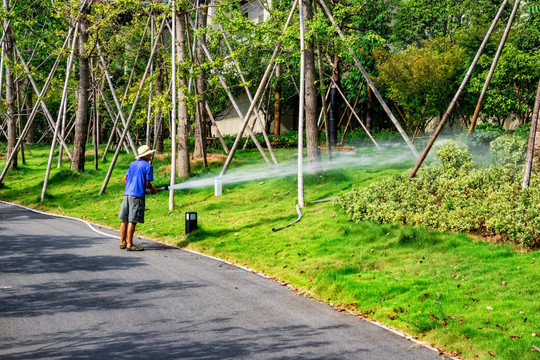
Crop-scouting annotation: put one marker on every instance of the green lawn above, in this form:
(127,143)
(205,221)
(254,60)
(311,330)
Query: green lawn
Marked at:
(472,298)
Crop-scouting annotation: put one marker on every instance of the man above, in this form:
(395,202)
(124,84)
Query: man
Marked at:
(137,179)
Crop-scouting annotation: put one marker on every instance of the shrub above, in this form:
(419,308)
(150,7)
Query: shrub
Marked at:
(485,133)
(359,136)
(523,131)
(454,156)
(288,139)
(481,200)
(509,150)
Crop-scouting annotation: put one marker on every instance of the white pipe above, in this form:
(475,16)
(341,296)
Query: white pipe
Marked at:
(173,115)
(301,110)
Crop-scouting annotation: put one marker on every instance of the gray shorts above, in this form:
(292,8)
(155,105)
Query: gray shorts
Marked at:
(132,209)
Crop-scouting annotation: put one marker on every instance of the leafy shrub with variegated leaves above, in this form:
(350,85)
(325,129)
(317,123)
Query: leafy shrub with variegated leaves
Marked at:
(463,198)
(508,149)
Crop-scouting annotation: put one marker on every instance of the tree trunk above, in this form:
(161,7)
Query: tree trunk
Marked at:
(537,147)
(333,113)
(10,92)
(201,116)
(183,114)
(81,118)
(159,124)
(312,131)
(28,105)
(277,104)
(369,119)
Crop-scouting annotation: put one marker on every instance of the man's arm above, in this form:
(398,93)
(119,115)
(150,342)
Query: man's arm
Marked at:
(152,189)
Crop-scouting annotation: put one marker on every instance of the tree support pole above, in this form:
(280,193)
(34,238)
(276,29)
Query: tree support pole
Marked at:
(115,128)
(235,104)
(63,103)
(371,85)
(530,148)
(117,103)
(355,114)
(458,93)
(40,95)
(96,116)
(35,109)
(133,108)
(211,116)
(258,93)
(493,66)
(257,109)
(257,115)
(19,129)
(58,121)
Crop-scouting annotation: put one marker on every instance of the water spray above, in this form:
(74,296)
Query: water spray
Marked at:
(339,161)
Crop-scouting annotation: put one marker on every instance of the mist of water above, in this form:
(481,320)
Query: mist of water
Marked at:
(388,155)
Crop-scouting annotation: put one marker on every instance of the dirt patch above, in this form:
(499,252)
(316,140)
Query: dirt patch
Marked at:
(342,148)
(197,163)
(2,155)
(489,237)
(212,158)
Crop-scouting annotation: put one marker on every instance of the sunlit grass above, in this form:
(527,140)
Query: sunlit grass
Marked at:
(462,294)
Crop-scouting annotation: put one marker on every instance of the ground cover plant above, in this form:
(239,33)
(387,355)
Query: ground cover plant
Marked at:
(474,298)
(453,195)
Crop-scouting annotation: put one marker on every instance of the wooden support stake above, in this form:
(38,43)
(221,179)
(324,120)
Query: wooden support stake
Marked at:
(116,102)
(133,108)
(257,115)
(41,95)
(35,108)
(371,85)
(213,120)
(458,93)
(63,102)
(234,103)
(532,135)
(356,115)
(257,94)
(493,66)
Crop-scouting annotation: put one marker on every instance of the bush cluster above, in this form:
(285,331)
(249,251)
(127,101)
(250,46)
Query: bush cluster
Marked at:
(461,198)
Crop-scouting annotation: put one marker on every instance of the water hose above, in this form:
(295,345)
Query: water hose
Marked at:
(324,200)
(300,213)
(294,222)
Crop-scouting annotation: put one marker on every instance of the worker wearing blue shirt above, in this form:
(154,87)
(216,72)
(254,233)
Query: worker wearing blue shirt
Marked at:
(137,179)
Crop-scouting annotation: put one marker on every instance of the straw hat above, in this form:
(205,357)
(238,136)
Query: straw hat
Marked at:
(143,151)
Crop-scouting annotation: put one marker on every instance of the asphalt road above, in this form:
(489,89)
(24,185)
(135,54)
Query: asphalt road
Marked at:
(69,293)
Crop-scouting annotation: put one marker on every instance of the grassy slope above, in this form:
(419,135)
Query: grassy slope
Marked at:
(439,287)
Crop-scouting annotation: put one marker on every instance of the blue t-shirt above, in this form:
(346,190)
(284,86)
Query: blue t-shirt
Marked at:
(138,172)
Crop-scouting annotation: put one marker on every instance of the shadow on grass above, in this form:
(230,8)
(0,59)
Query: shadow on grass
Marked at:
(202,234)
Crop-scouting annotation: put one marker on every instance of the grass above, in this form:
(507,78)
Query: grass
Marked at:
(472,298)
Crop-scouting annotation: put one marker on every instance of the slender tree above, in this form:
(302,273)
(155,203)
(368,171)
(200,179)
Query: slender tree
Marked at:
(277,103)
(312,131)
(183,113)
(200,114)
(10,87)
(81,120)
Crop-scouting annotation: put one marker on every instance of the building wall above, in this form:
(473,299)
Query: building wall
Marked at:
(229,123)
